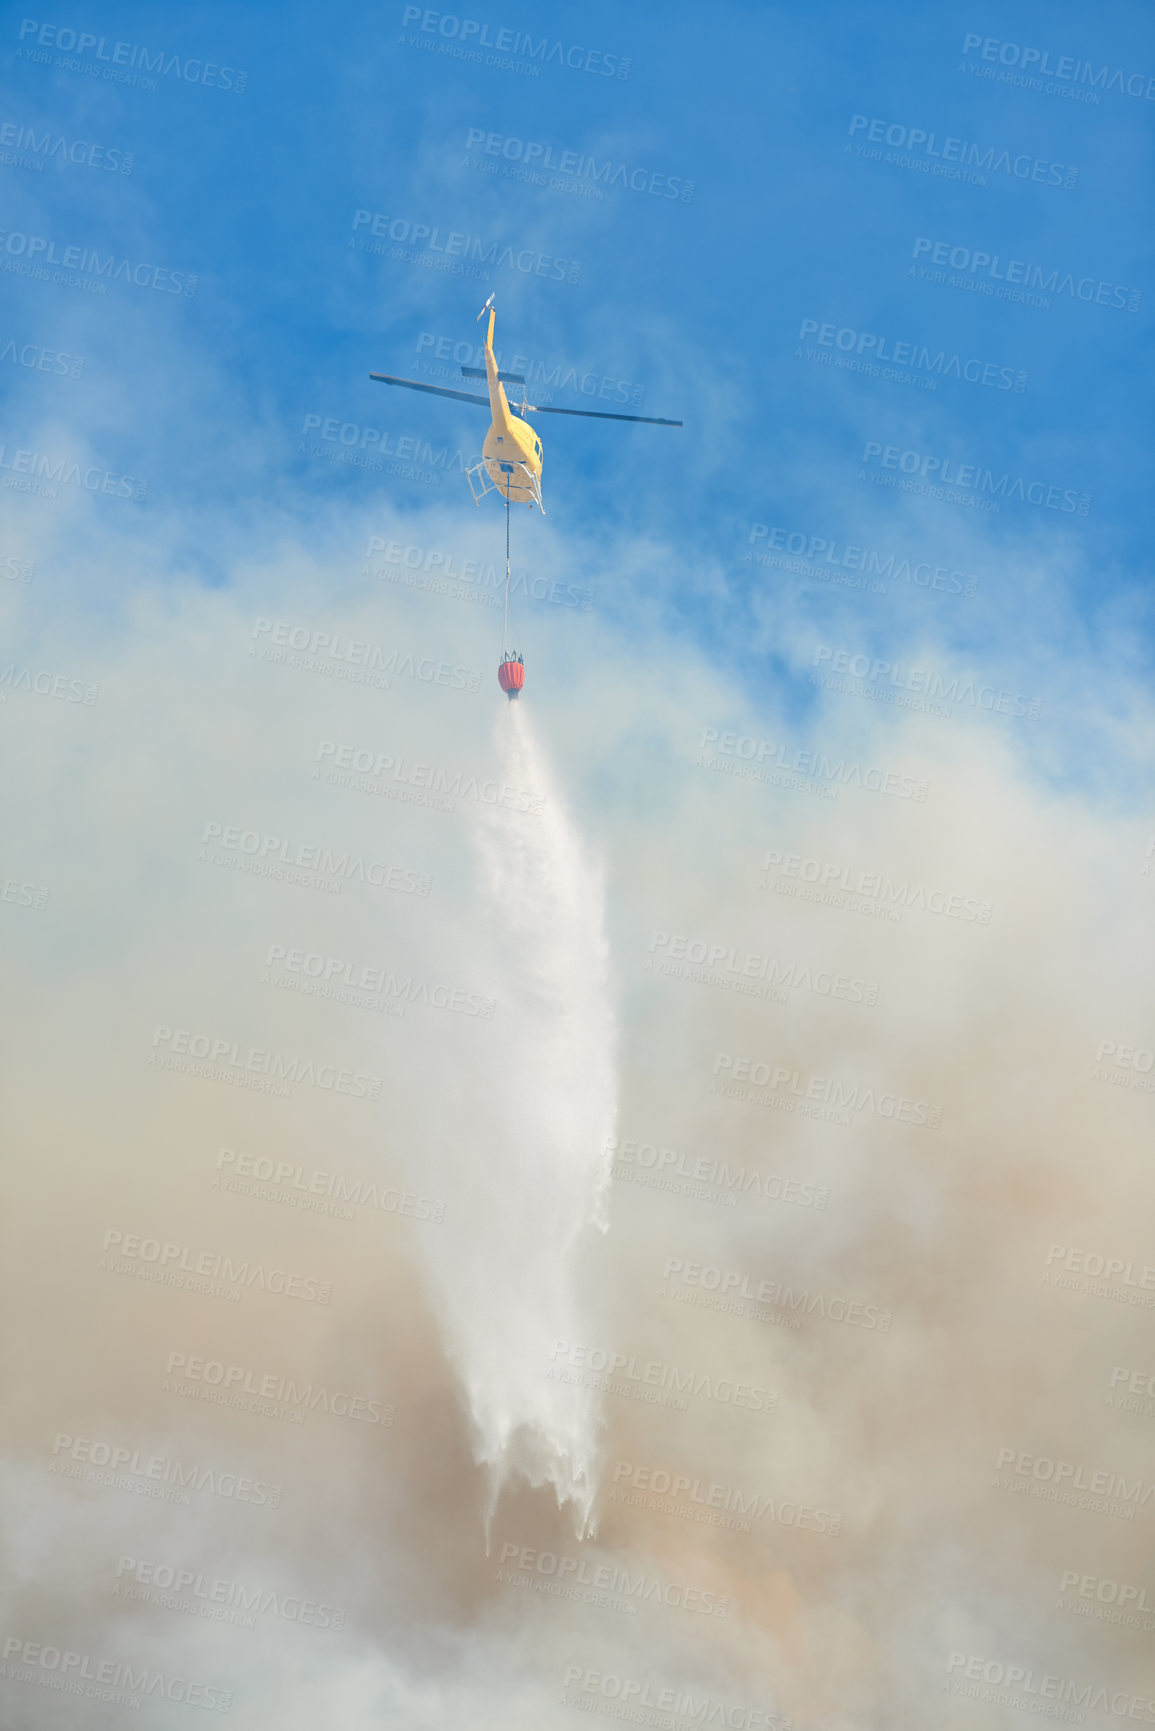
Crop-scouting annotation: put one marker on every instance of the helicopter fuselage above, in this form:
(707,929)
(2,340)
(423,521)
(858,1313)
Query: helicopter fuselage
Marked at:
(512,450)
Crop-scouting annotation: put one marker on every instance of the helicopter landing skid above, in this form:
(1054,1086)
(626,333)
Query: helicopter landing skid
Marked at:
(479,481)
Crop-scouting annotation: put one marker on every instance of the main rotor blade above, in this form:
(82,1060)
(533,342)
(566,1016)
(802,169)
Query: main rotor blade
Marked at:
(519,408)
(593,414)
(434,390)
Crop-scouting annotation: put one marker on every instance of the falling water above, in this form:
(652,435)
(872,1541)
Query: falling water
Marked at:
(524,1122)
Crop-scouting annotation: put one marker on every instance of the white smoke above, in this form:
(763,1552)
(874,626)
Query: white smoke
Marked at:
(962,1234)
(518,1136)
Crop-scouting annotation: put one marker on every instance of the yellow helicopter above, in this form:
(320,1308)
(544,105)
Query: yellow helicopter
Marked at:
(511,458)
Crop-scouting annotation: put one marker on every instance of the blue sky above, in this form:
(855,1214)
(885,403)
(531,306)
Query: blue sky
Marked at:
(856,193)
(791,244)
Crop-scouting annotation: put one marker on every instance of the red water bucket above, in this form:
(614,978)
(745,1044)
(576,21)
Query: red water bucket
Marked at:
(511,677)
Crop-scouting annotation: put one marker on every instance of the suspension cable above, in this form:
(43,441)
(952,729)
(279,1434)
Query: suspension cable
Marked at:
(505,628)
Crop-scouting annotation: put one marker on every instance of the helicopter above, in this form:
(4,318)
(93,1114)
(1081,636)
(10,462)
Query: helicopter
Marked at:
(511,456)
